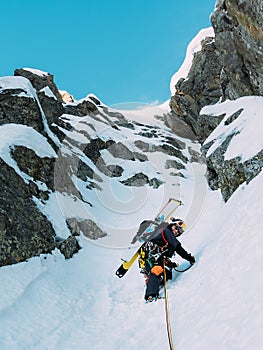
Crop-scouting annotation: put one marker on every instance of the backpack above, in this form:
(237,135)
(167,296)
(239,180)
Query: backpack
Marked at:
(149,254)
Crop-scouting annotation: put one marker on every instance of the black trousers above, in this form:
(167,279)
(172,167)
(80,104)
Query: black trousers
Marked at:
(154,283)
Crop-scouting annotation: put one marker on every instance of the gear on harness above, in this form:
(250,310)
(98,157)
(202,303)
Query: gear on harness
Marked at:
(149,257)
(149,253)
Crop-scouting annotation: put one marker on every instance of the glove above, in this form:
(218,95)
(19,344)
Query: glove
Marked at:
(170,263)
(174,264)
(192,260)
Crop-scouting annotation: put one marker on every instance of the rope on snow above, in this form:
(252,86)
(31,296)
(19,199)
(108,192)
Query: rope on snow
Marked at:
(167,313)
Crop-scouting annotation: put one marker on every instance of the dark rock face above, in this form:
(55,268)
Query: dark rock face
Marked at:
(173,164)
(82,109)
(227,67)
(238,38)
(228,175)
(166,148)
(238,26)
(94,147)
(19,109)
(84,172)
(50,105)
(206,125)
(202,87)
(40,169)
(87,227)
(24,230)
(40,81)
(68,246)
(179,126)
(121,151)
(34,101)
(141,179)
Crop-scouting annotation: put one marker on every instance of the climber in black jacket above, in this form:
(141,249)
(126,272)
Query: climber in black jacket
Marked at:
(164,245)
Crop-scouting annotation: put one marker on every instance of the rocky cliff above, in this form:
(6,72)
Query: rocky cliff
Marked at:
(228,66)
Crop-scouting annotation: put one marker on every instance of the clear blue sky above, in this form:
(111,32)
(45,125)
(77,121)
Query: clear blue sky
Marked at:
(120,50)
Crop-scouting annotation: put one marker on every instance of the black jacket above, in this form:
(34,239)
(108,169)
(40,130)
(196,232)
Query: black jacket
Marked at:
(167,239)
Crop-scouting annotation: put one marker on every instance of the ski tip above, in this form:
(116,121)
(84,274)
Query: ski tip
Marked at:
(121,271)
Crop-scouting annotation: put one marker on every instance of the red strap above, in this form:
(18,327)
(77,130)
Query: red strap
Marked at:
(163,237)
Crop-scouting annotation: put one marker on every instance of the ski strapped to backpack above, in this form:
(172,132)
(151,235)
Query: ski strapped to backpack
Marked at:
(161,217)
(148,228)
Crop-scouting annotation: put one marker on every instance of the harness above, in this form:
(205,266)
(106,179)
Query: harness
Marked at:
(149,254)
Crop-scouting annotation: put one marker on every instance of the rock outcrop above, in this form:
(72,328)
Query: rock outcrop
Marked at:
(227,67)
(228,174)
(233,158)
(238,39)
(24,230)
(202,86)
(31,99)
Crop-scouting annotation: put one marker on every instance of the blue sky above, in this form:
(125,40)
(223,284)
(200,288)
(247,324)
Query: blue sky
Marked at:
(120,50)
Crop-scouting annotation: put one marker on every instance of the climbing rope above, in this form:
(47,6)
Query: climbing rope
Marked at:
(187,268)
(167,312)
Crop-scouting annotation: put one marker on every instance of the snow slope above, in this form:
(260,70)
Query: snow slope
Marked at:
(50,303)
(247,128)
